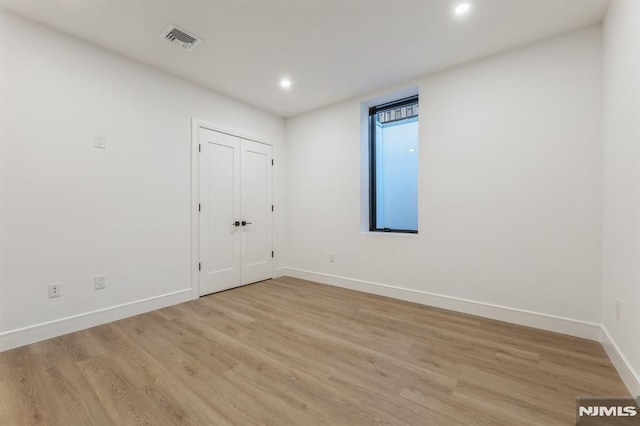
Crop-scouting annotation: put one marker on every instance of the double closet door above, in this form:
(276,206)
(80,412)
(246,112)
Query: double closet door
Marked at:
(235,211)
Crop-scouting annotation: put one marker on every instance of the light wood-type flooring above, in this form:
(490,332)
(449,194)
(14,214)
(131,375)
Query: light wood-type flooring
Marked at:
(292,352)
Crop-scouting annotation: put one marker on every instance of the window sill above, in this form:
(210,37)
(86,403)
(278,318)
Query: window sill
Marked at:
(397,234)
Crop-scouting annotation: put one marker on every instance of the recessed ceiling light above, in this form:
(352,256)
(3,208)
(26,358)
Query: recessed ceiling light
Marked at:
(462,8)
(285,83)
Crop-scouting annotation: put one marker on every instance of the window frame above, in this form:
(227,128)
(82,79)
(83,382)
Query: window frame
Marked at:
(372,163)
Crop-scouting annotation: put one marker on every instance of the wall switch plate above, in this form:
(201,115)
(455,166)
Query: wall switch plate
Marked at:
(100,142)
(332,258)
(54,290)
(618,308)
(99,282)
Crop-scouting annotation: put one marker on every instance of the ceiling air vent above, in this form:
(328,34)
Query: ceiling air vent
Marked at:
(181,37)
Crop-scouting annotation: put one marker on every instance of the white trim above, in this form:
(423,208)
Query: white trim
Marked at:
(396,95)
(47,330)
(216,127)
(572,327)
(628,375)
(195,212)
(281,271)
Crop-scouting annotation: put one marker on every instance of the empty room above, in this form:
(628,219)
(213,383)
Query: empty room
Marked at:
(319,212)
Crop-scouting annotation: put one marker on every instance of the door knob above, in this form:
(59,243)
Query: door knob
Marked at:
(236,223)
(244,222)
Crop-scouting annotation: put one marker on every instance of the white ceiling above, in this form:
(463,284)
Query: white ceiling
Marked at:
(331,49)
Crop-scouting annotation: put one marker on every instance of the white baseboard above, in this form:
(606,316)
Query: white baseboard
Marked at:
(279,272)
(35,333)
(572,327)
(629,376)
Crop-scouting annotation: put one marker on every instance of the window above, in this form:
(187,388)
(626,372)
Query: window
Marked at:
(393,168)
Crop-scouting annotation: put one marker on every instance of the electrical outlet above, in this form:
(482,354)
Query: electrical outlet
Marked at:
(99,282)
(100,142)
(54,290)
(618,307)
(332,258)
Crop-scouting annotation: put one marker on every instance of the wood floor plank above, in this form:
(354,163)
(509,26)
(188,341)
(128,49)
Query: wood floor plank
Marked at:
(294,352)
(67,386)
(26,390)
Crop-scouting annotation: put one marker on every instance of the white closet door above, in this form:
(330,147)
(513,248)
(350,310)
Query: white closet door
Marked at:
(220,245)
(257,260)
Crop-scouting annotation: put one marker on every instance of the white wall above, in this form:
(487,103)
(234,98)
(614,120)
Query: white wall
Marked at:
(510,189)
(621,142)
(511,192)
(70,211)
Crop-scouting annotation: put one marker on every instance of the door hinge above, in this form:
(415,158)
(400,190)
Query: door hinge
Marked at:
(199,266)
(272,162)
(199,207)
(199,148)
(272,254)
(271,207)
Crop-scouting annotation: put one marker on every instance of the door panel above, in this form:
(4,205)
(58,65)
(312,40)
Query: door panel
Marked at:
(257,261)
(235,185)
(220,241)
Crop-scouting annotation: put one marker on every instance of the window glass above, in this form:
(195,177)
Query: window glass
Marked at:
(394,171)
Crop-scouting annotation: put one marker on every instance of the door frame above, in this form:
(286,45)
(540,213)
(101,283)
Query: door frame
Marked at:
(196,125)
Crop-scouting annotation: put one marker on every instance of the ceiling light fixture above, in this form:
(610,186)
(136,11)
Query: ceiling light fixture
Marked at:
(462,8)
(285,83)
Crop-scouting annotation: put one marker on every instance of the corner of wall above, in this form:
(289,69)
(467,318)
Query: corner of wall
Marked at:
(628,375)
